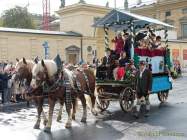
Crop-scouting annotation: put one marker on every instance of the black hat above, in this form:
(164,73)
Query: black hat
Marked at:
(108,49)
(140,36)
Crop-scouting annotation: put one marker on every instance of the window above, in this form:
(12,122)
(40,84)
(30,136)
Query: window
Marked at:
(184,54)
(184,30)
(175,54)
(184,11)
(168,13)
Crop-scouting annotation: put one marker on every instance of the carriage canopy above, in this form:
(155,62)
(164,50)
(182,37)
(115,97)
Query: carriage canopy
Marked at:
(120,18)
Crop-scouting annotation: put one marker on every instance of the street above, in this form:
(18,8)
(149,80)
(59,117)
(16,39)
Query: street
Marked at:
(167,121)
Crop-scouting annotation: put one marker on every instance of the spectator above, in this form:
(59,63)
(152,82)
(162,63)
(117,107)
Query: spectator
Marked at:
(4,87)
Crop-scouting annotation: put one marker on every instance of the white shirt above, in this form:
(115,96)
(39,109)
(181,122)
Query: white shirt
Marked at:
(141,72)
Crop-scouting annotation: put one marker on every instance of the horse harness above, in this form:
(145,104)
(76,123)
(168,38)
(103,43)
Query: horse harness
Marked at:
(77,82)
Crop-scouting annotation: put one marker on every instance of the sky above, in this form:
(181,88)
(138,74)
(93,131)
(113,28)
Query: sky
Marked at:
(35,6)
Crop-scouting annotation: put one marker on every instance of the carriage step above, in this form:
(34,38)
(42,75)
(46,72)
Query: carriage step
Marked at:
(109,94)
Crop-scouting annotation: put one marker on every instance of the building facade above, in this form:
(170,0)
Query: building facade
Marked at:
(78,40)
(19,43)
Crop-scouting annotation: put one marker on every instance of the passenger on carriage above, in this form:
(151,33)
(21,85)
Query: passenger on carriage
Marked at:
(123,60)
(104,70)
(151,42)
(158,43)
(119,71)
(127,43)
(119,44)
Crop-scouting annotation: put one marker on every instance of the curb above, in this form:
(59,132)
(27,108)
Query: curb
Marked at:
(12,106)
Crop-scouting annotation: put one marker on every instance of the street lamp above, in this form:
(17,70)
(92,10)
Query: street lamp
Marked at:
(46,49)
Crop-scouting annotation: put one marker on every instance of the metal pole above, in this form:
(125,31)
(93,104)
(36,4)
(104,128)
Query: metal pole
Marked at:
(82,49)
(106,37)
(132,39)
(115,4)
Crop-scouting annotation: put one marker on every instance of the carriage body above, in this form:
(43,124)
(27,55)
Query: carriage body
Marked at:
(111,90)
(124,91)
(156,59)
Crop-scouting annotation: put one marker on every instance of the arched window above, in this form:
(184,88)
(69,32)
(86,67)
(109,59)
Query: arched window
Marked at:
(183,22)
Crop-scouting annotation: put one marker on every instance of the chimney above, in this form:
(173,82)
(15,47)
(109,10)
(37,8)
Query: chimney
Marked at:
(139,2)
(63,3)
(82,1)
(126,5)
(107,5)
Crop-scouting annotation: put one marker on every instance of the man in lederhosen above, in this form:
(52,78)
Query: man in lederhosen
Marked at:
(143,88)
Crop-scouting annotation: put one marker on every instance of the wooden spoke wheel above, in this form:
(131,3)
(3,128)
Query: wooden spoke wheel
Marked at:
(102,103)
(163,96)
(127,98)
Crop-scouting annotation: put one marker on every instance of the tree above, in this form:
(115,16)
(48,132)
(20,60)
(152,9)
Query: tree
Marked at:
(1,22)
(17,17)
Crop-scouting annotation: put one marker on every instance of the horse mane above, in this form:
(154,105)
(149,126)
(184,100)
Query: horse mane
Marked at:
(68,75)
(50,65)
(19,64)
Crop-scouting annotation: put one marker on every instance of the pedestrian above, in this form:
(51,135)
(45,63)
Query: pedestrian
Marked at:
(143,88)
(4,88)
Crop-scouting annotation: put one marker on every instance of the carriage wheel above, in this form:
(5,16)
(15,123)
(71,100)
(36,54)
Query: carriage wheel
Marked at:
(102,103)
(163,95)
(127,99)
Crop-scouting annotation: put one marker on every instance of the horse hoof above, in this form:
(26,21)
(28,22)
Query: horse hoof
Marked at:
(68,125)
(58,118)
(95,113)
(73,117)
(45,122)
(47,129)
(36,126)
(83,120)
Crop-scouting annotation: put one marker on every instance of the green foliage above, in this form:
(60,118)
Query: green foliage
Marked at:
(17,17)
(136,60)
(1,22)
(167,59)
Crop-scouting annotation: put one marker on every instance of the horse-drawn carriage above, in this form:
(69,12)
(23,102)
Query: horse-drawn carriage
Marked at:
(125,90)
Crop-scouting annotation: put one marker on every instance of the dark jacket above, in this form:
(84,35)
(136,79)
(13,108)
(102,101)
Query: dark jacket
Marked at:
(3,81)
(144,84)
(127,46)
(123,62)
(105,61)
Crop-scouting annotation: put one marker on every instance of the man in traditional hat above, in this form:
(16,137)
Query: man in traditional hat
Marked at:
(143,88)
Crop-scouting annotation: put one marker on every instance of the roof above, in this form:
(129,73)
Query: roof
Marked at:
(83,7)
(117,15)
(57,21)
(42,32)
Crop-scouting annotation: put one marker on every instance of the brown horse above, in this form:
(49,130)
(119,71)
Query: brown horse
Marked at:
(23,73)
(82,82)
(44,73)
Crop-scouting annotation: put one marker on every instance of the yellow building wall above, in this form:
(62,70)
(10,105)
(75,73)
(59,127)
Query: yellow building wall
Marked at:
(180,46)
(18,45)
